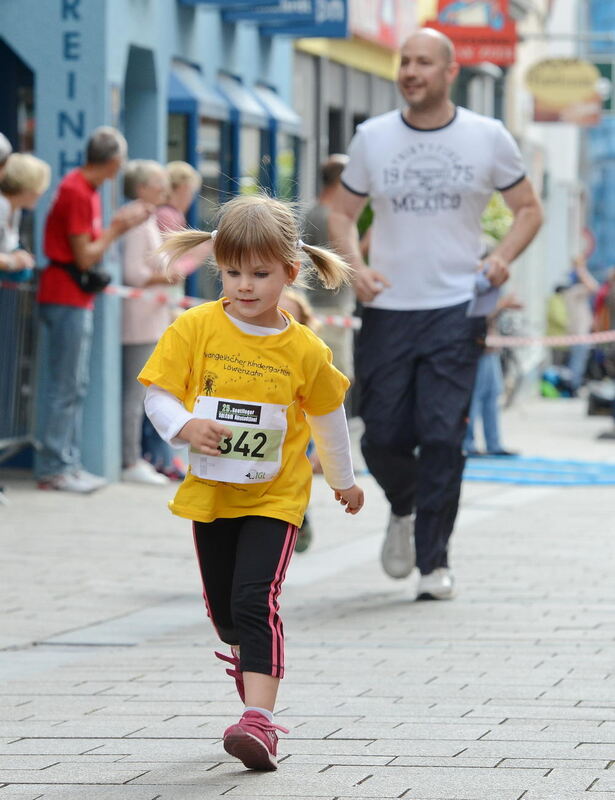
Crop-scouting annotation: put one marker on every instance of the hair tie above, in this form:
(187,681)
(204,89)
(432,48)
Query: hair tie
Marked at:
(300,244)
(214,234)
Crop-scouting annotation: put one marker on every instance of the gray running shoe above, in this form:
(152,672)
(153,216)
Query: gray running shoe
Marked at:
(398,556)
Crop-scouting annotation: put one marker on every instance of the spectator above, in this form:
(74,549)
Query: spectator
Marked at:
(74,243)
(557,322)
(325,301)
(578,299)
(184,182)
(145,318)
(429,170)
(604,306)
(604,319)
(24,180)
(488,387)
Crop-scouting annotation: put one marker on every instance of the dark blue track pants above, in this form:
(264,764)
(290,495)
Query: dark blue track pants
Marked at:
(416,371)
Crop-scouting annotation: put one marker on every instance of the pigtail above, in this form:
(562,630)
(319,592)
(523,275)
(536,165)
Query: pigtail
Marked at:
(176,245)
(333,271)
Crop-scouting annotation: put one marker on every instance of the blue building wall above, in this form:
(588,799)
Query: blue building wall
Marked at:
(601,153)
(107,62)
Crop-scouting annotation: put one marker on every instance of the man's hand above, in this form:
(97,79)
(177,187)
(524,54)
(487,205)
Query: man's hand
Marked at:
(509,302)
(368,284)
(21,259)
(204,435)
(498,271)
(351,498)
(130,215)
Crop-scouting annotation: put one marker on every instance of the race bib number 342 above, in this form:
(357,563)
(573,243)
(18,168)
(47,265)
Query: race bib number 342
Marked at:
(253,452)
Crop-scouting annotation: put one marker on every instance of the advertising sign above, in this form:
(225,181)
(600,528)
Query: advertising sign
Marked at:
(565,90)
(303,18)
(481,30)
(385,22)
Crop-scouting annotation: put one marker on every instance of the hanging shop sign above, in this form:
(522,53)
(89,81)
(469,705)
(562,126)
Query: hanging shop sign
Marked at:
(225,3)
(566,90)
(301,18)
(387,23)
(481,30)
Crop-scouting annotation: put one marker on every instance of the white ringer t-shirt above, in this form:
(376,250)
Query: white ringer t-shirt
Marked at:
(428,190)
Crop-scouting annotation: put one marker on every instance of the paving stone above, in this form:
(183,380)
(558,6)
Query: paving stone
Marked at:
(553,763)
(71,772)
(521,749)
(397,730)
(93,792)
(540,794)
(51,746)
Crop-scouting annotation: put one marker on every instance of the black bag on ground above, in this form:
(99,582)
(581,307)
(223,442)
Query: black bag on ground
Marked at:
(92,280)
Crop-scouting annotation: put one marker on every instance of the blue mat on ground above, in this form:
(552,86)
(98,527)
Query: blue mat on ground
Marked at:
(540,471)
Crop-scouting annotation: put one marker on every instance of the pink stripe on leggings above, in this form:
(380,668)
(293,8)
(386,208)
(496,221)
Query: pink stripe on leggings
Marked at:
(275,623)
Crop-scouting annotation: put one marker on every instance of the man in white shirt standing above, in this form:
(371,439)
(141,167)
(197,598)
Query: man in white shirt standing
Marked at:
(429,172)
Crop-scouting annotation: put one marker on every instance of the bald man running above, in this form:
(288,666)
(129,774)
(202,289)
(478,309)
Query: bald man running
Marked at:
(429,172)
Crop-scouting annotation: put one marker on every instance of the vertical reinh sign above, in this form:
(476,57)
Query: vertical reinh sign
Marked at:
(71,122)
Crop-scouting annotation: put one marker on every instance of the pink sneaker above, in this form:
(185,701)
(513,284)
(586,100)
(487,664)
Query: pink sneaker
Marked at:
(253,740)
(235,672)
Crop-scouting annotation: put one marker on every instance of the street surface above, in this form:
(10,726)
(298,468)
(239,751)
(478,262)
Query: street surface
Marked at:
(110,689)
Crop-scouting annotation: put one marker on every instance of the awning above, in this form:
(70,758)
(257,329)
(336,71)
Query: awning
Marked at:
(250,111)
(188,93)
(287,119)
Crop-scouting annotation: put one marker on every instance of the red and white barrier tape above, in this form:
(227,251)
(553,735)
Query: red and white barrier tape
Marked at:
(551,341)
(343,321)
(130,292)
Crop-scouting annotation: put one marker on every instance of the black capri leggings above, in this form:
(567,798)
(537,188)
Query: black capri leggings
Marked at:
(243,564)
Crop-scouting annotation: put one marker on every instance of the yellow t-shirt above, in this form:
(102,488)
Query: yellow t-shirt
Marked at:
(203,355)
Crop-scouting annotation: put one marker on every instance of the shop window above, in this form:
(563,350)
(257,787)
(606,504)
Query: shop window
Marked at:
(177,137)
(250,168)
(209,154)
(287,163)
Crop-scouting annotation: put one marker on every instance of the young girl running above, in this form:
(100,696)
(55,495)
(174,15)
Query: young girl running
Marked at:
(243,384)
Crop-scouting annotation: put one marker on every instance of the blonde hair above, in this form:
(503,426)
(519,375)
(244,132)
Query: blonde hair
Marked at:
(138,173)
(25,173)
(306,312)
(260,226)
(180,172)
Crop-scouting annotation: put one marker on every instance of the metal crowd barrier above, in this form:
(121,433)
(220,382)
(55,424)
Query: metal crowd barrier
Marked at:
(18,345)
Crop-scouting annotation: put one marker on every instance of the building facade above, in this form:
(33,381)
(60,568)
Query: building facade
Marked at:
(182,81)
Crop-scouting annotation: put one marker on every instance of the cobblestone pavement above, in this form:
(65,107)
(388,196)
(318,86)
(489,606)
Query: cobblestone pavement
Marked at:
(111,691)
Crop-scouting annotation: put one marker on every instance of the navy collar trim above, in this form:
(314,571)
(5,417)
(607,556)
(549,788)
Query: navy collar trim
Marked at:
(429,130)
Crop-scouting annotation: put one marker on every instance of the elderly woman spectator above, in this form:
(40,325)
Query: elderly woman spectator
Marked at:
(145,317)
(24,179)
